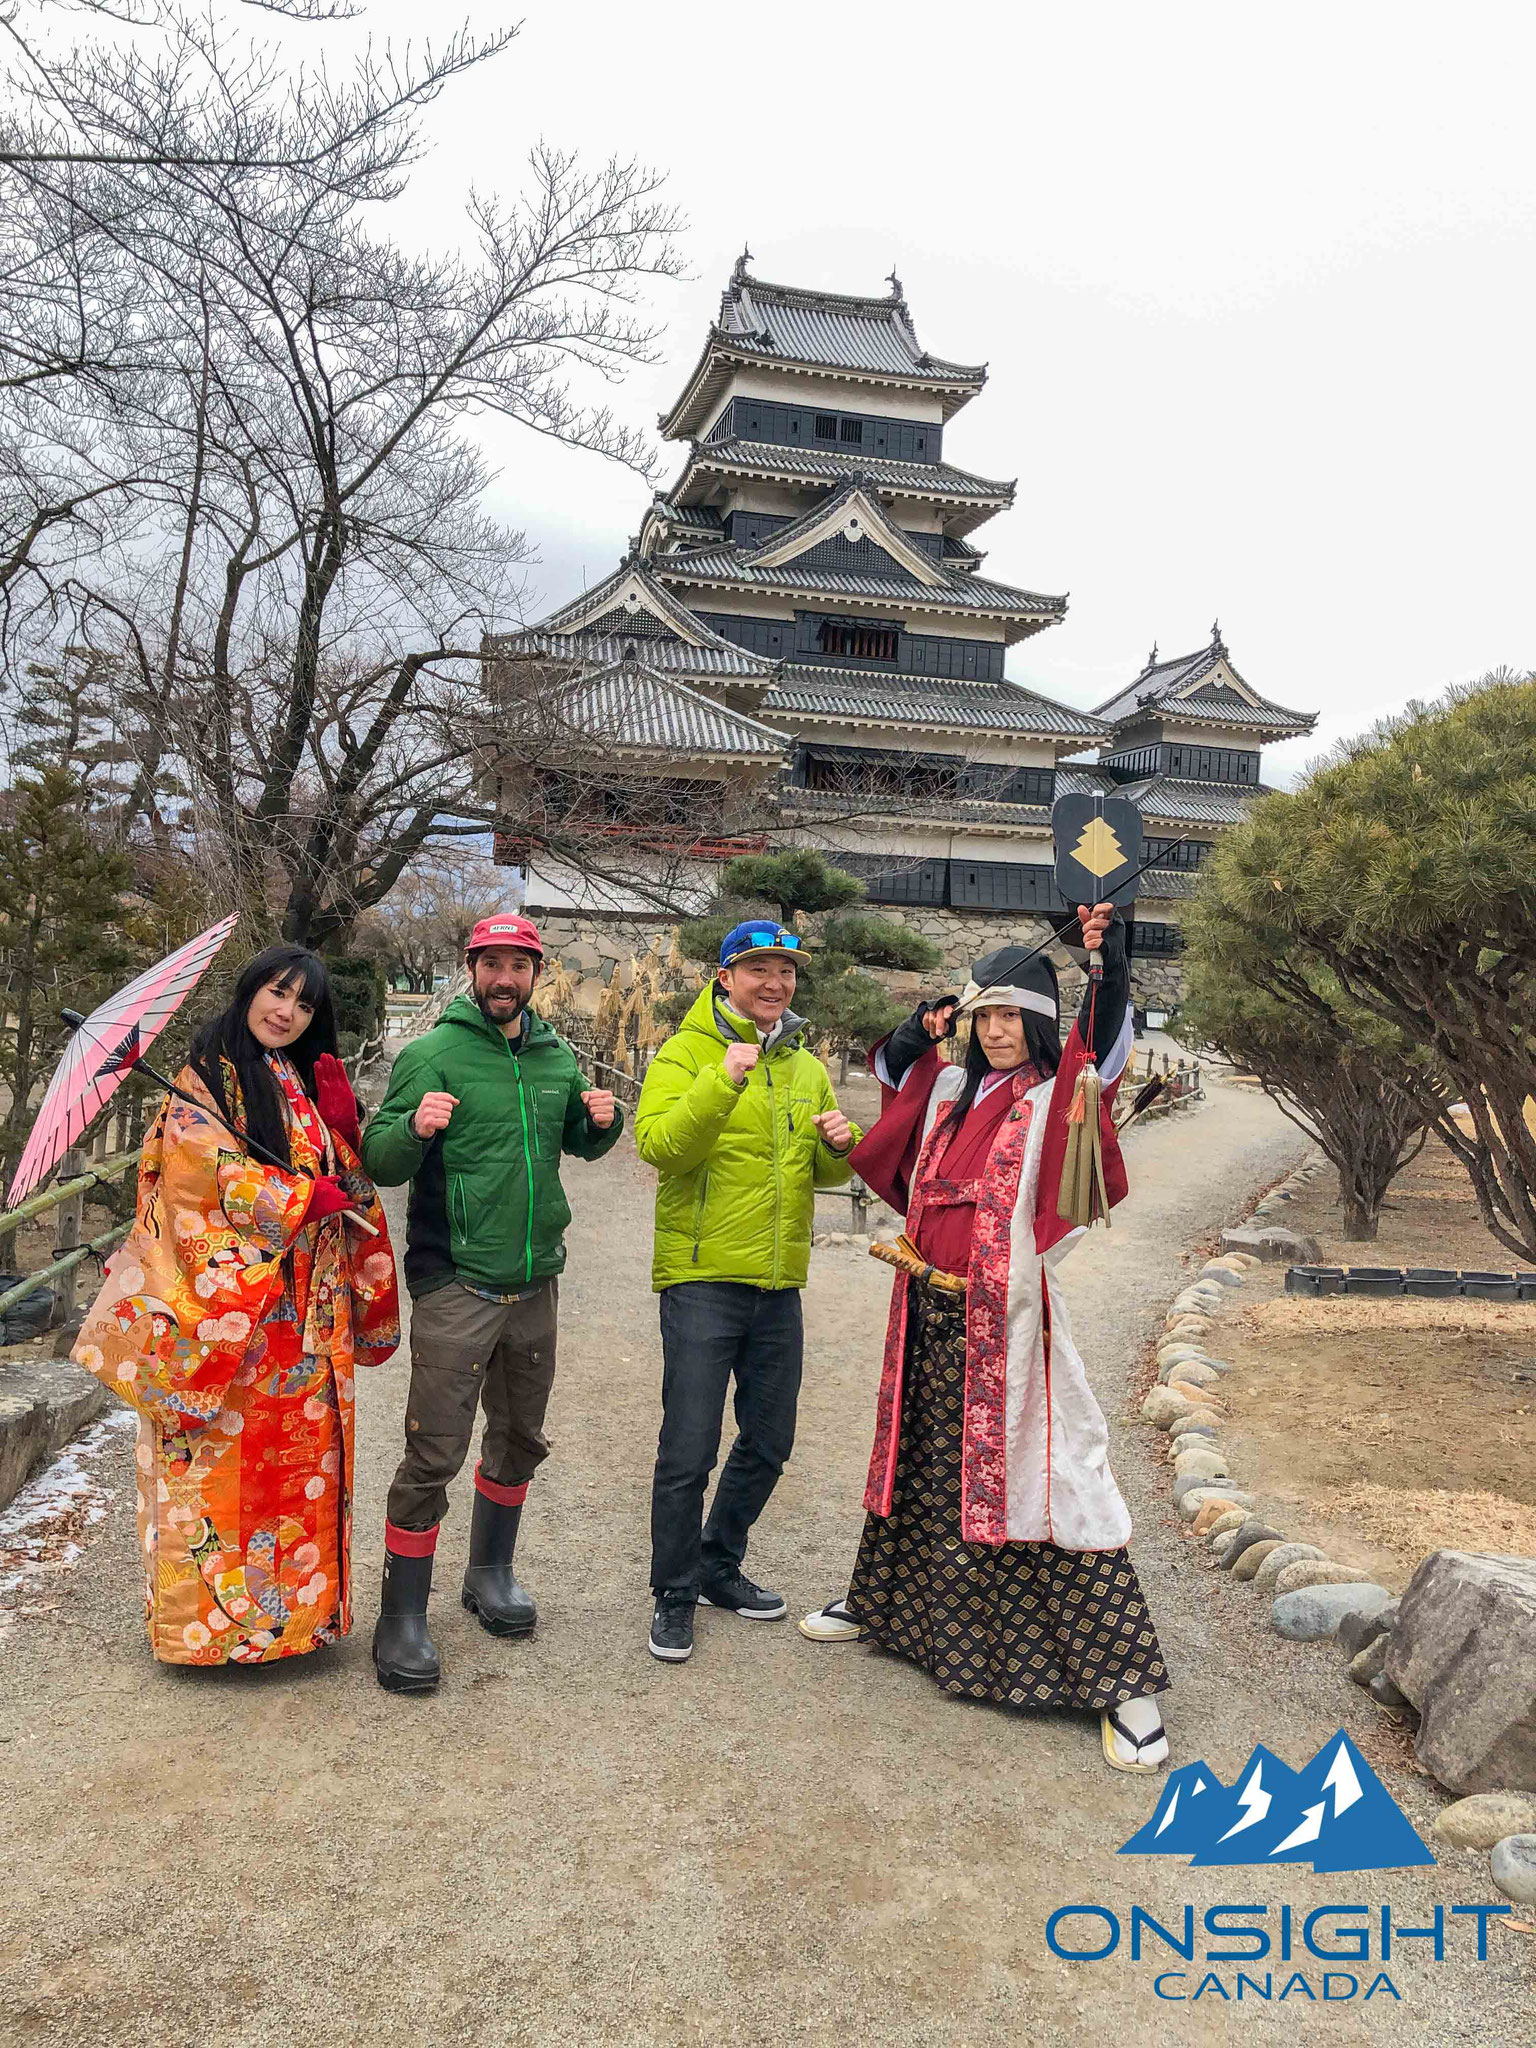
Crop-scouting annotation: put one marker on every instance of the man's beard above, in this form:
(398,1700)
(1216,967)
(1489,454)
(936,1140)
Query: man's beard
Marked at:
(518,1002)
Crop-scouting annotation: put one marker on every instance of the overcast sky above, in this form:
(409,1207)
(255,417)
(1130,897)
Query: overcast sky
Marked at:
(1255,287)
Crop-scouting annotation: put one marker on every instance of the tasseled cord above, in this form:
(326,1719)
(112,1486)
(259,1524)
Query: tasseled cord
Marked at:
(1083,1198)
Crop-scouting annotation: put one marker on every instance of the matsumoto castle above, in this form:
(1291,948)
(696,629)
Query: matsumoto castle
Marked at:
(803,628)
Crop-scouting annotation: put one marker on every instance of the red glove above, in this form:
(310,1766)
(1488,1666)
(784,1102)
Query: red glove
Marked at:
(328,1198)
(335,1101)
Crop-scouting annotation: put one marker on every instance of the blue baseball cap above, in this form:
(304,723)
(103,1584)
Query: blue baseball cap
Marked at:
(757,936)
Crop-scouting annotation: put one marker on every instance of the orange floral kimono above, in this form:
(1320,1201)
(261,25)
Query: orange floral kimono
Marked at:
(234,1327)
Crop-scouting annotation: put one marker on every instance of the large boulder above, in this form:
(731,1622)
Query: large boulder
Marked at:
(1463,1651)
(1275,1245)
(44,1402)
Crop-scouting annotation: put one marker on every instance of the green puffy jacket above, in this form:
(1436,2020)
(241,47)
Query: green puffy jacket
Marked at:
(739,1166)
(486,1201)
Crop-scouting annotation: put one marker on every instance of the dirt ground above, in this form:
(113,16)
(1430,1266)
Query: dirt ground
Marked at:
(776,1843)
(1387,1428)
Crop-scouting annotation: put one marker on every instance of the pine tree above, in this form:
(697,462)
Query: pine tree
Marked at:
(64,936)
(846,1007)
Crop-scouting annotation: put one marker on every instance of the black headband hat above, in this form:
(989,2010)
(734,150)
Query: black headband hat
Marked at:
(1017,976)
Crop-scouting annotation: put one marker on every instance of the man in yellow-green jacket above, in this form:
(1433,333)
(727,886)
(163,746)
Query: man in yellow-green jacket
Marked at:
(742,1126)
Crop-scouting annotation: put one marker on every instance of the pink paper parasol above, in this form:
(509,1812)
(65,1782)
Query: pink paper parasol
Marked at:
(106,1047)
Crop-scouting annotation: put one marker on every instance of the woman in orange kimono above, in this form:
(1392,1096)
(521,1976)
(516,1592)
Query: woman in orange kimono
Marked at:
(232,1318)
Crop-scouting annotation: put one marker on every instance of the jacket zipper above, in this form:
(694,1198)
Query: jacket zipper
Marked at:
(778,1177)
(698,1213)
(522,1110)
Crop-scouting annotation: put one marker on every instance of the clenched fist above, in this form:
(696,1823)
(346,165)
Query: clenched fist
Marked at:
(835,1129)
(599,1103)
(740,1059)
(1095,923)
(432,1114)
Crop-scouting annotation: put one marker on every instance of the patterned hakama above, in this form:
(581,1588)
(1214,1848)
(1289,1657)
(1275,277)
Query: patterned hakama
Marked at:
(1023,1624)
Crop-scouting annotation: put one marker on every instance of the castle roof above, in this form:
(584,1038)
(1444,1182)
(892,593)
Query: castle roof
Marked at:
(1202,688)
(807,690)
(974,498)
(631,705)
(830,333)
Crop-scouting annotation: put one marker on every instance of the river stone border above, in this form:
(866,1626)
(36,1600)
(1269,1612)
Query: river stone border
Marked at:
(1312,1596)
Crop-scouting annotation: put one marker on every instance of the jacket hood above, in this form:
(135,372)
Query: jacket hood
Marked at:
(466,1011)
(706,1014)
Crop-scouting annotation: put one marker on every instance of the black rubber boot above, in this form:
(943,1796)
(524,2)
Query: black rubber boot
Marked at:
(491,1592)
(404,1655)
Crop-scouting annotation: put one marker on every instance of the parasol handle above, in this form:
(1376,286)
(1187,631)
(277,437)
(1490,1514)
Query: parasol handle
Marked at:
(74,1020)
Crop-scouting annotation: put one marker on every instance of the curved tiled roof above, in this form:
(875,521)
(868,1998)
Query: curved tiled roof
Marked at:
(807,326)
(825,692)
(950,592)
(633,707)
(676,656)
(914,480)
(1171,689)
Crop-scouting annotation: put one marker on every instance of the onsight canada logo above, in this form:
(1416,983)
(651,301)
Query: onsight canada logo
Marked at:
(1334,1813)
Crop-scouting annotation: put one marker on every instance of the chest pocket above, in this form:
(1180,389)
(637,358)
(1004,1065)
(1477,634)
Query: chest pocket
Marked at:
(549,1118)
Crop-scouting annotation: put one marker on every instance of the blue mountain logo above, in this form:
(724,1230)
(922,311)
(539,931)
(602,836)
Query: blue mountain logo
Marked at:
(1334,1813)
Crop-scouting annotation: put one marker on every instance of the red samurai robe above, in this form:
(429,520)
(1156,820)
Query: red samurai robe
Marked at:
(1035,1461)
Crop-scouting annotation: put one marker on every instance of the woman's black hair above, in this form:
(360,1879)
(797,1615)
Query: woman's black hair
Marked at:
(228,1034)
(1042,1047)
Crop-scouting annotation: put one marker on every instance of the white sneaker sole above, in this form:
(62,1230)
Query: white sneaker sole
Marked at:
(670,1656)
(749,1613)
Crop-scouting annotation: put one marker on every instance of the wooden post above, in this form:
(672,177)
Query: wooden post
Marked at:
(69,1213)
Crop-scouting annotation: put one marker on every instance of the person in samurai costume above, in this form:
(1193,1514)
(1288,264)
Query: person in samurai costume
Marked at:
(233,1318)
(993,1552)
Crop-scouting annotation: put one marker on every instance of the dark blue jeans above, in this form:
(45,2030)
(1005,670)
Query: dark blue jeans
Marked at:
(711,1329)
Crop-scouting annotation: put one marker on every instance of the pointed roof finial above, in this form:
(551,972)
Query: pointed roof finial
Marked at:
(1216,639)
(1151,658)
(739,273)
(895,284)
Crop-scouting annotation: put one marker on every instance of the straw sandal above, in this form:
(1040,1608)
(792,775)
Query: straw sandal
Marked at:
(1111,1725)
(831,1624)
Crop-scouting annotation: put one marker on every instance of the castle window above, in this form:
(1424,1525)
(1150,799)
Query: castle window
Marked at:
(850,430)
(855,642)
(826,426)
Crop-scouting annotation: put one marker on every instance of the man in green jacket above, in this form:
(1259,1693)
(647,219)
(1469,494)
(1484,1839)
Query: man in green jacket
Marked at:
(478,1114)
(742,1126)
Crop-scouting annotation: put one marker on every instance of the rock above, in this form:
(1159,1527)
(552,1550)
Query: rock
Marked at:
(1200,1465)
(1366,1666)
(1486,1819)
(1223,1275)
(1163,1406)
(1463,1651)
(1275,1245)
(1213,1511)
(1191,1373)
(1289,1553)
(1194,1499)
(1188,1482)
(1316,1611)
(43,1403)
(1184,1329)
(1356,1630)
(1247,1563)
(1227,1524)
(1196,1425)
(1386,1694)
(1175,1354)
(1191,1440)
(1513,1865)
(1201,1304)
(1252,1531)
(1316,1571)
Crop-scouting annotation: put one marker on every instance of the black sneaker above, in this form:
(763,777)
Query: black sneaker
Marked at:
(740,1595)
(672,1628)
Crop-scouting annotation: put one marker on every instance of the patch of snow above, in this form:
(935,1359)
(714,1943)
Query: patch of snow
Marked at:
(40,1531)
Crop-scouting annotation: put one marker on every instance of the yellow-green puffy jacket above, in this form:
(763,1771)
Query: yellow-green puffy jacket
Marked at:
(739,1166)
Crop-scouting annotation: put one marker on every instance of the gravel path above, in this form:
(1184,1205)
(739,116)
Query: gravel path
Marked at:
(776,1843)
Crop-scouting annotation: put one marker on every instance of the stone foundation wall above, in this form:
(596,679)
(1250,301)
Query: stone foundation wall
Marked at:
(593,950)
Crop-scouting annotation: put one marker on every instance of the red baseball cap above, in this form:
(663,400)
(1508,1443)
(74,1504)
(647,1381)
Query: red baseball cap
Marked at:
(508,929)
